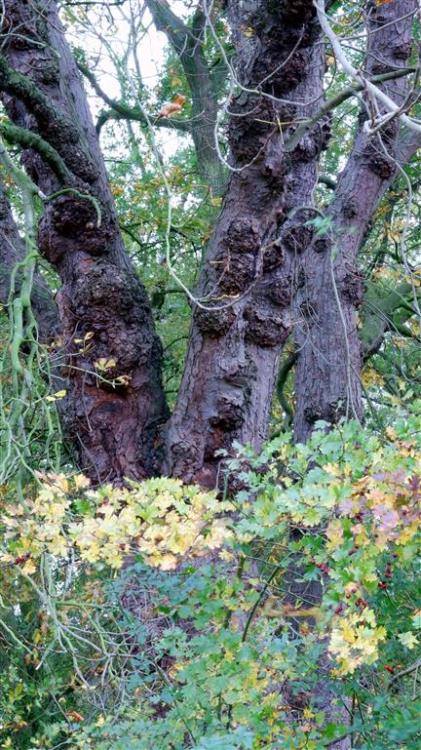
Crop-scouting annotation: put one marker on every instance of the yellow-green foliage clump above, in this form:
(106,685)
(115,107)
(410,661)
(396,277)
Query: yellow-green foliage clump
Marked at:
(160,519)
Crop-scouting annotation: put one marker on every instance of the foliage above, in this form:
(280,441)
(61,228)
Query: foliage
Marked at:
(158,615)
(218,651)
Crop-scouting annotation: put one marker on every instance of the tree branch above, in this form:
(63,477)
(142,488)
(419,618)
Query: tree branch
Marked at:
(393,109)
(178,34)
(122,111)
(28,139)
(412,668)
(335,101)
(188,45)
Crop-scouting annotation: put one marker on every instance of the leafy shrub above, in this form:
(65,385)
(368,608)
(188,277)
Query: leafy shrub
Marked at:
(160,616)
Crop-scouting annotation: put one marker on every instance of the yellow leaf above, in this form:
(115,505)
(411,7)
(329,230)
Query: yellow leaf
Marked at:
(332,469)
(29,568)
(308,713)
(37,637)
(103,363)
(81,482)
(393,235)
(56,396)
(408,639)
(58,546)
(335,534)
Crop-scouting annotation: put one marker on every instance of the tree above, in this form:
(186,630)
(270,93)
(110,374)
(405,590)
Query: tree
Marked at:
(279,291)
(333,291)
(113,428)
(264,266)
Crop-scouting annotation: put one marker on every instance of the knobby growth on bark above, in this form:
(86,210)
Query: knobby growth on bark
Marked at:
(278,266)
(112,421)
(245,291)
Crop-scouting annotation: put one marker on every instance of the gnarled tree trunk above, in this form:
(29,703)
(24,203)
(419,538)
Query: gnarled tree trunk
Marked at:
(111,354)
(243,318)
(327,384)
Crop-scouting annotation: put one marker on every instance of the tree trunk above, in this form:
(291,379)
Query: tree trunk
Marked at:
(111,355)
(243,315)
(327,384)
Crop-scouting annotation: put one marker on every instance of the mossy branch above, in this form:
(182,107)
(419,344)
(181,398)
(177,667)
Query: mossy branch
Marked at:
(23,88)
(27,139)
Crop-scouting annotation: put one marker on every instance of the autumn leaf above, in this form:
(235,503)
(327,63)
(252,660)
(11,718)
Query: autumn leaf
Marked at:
(56,396)
(171,108)
(408,639)
(103,363)
(29,568)
(75,716)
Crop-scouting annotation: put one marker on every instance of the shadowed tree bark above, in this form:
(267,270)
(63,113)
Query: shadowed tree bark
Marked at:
(327,382)
(248,278)
(112,410)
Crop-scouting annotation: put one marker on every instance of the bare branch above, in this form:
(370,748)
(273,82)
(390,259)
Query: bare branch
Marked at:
(337,100)
(392,108)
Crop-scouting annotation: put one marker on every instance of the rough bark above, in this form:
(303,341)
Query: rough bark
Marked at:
(248,278)
(328,370)
(12,252)
(112,416)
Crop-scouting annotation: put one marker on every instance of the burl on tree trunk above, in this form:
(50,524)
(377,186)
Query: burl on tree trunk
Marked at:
(245,290)
(111,355)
